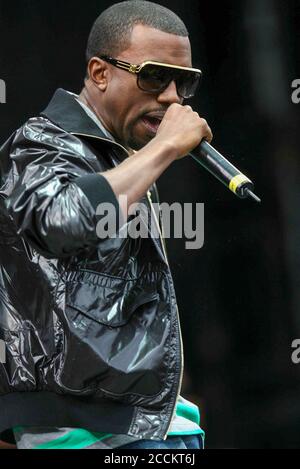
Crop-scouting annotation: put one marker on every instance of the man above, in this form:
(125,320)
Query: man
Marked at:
(92,334)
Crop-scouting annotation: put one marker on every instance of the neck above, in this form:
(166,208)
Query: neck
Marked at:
(87,97)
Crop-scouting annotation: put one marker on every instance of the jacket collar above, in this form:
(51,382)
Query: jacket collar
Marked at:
(64,111)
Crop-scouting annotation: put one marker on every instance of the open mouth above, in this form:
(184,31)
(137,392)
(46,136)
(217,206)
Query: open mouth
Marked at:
(152,123)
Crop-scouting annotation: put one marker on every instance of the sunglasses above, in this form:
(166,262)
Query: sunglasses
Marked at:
(155,77)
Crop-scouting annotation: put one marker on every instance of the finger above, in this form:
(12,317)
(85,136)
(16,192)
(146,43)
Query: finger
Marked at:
(210,135)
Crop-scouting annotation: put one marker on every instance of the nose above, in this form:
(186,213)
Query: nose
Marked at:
(170,95)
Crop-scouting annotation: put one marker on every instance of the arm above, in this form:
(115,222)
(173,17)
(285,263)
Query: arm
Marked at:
(180,132)
(51,193)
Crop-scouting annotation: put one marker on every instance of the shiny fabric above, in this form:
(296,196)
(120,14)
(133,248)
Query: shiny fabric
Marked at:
(81,316)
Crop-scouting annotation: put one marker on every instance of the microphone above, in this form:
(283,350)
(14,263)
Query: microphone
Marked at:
(228,174)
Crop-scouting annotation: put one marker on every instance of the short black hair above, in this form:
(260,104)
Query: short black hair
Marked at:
(111,31)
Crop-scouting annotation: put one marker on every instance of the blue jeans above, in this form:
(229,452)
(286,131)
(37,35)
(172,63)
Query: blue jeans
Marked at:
(173,442)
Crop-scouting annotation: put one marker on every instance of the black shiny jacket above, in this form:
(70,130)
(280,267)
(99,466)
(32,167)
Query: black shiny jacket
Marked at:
(90,327)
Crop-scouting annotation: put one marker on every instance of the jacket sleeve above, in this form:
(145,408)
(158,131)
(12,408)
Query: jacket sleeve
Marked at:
(55,190)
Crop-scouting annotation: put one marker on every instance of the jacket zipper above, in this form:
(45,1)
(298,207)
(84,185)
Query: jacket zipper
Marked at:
(166,258)
(178,321)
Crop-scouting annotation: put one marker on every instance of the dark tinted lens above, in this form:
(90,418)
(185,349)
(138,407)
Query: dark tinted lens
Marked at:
(187,83)
(155,78)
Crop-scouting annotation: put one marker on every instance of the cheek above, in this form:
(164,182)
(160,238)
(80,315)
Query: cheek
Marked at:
(126,103)
(123,101)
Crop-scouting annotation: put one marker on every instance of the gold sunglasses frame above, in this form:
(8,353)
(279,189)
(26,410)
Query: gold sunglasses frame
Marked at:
(136,68)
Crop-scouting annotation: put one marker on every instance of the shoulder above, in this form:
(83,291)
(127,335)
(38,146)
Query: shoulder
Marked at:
(41,130)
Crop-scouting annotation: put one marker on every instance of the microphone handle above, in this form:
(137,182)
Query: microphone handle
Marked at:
(228,174)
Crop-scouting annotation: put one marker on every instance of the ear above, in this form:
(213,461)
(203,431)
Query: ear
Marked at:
(98,72)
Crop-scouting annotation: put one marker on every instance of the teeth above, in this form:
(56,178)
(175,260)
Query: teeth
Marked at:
(156,117)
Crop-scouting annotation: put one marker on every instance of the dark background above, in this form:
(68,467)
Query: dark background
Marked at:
(239,296)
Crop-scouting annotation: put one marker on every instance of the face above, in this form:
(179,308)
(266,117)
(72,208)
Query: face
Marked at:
(129,113)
